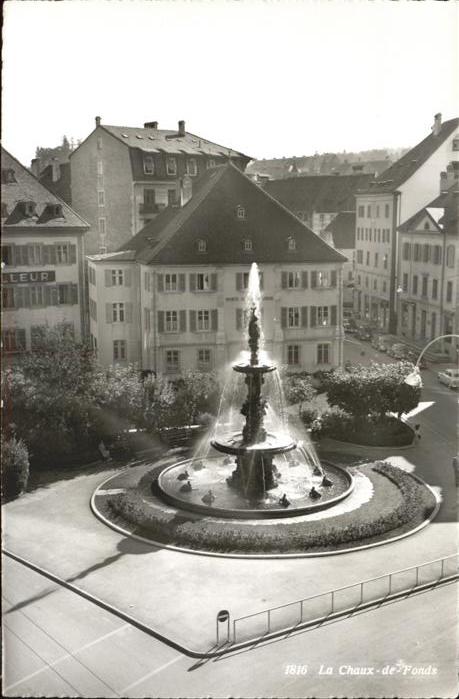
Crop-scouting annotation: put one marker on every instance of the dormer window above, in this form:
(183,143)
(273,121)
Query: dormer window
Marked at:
(211,163)
(148,165)
(28,208)
(426,226)
(456,142)
(8,176)
(51,211)
(247,245)
(202,245)
(240,213)
(291,243)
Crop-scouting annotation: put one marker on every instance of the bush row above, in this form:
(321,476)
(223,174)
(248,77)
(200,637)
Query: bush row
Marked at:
(337,424)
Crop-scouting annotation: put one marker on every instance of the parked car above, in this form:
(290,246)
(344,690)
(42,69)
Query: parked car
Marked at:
(450,377)
(363,334)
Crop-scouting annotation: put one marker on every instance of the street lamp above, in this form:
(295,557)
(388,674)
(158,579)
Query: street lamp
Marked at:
(414,378)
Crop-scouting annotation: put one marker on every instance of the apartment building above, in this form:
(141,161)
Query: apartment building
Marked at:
(173,297)
(389,201)
(340,234)
(122,177)
(429,270)
(42,259)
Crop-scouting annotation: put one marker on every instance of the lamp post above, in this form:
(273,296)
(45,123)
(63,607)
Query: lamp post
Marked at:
(414,379)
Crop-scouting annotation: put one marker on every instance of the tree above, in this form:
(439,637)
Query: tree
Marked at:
(299,390)
(372,391)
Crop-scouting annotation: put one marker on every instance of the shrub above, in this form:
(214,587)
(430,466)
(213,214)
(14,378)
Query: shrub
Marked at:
(308,416)
(376,432)
(15,467)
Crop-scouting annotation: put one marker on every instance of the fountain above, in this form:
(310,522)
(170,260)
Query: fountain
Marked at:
(253,484)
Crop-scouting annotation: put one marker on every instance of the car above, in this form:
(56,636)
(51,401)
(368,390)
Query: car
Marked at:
(363,334)
(450,377)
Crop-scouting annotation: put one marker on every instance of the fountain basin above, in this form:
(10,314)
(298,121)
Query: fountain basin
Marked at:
(273,444)
(230,504)
(254,368)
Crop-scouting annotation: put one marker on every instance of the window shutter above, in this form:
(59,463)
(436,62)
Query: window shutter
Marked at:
(74,293)
(192,321)
(238,318)
(182,321)
(182,282)
(304,280)
(284,280)
(192,282)
(213,282)
(333,315)
(160,282)
(72,254)
(128,312)
(283,317)
(239,281)
(313,316)
(108,313)
(127,277)
(214,319)
(304,316)
(160,321)
(333,278)
(313,280)
(108,277)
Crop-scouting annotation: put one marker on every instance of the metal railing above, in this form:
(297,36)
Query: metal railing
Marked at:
(341,600)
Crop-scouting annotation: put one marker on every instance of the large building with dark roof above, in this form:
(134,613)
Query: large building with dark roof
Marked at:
(173,297)
(42,260)
(402,190)
(317,199)
(122,177)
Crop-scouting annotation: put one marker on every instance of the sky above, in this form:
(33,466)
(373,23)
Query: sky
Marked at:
(270,79)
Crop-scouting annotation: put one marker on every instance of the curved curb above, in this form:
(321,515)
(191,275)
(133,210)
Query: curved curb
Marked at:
(260,556)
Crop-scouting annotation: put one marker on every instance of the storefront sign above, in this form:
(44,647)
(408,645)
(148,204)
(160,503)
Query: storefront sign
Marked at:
(28,277)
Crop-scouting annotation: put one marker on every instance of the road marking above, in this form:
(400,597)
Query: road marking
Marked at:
(422,405)
(149,674)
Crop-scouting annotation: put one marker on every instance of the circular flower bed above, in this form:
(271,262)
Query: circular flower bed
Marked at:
(400,503)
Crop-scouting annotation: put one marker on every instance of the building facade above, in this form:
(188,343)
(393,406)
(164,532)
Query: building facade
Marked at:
(175,298)
(42,260)
(340,234)
(122,177)
(389,201)
(429,271)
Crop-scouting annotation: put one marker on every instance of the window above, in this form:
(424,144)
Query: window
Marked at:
(101,198)
(323,315)
(406,251)
(203,282)
(368,258)
(434,288)
(437,255)
(405,282)
(8,176)
(64,292)
(291,244)
(102,226)
(14,340)
(171,322)
(323,353)
(370,234)
(170,282)
(149,199)
(172,360)
(100,167)
(118,312)
(425,253)
(172,198)
(202,245)
(119,350)
(386,210)
(449,292)
(211,163)
(426,226)
(293,317)
(62,254)
(366,282)
(323,279)
(359,280)
(361,211)
(93,309)
(384,286)
(415,284)
(191,167)
(117,277)
(7,254)
(149,165)
(456,143)
(240,212)
(359,257)
(293,354)
(375,285)
(387,235)
(247,245)
(293,280)
(417,252)
(36,296)
(376,259)
(204,359)
(369,211)
(7,297)
(203,320)
(171,166)
(377,211)
(450,256)
(424,286)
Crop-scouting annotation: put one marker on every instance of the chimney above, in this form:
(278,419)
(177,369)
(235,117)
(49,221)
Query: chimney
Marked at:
(150,125)
(97,121)
(181,128)
(436,128)
(35,167)
(186,189)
